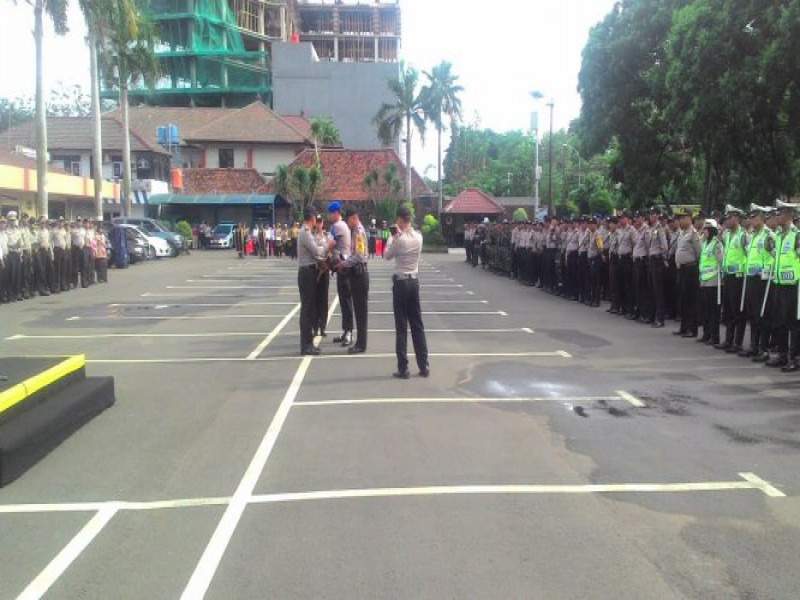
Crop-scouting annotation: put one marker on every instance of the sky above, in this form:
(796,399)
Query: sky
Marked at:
(500,49)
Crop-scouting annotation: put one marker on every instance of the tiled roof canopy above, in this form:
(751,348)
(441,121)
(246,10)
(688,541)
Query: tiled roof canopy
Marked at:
(223,181)
(473,202)
(343,172)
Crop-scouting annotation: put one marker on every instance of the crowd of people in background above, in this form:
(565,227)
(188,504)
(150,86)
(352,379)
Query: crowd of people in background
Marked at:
(734,269)
(44,257)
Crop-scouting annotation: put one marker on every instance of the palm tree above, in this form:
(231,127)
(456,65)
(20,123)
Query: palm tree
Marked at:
(56,10)
(324,133)
(128,59)
(370,183)
(298,184)
(93,13)
(406,111)
(442,96)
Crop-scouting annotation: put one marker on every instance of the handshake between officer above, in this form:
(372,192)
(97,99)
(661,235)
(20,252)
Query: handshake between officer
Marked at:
(405,247)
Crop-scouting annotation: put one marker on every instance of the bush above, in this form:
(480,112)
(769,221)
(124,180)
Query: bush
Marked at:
(166,224)
(520,215)
(183,228)
(430,224)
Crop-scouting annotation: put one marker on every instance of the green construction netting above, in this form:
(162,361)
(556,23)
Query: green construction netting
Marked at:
(202,51)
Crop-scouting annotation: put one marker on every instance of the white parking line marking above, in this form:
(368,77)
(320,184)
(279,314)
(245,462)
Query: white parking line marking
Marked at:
(499,313)
(463,400)
(751,482)
(634,401)
(174,318)
(39,586)
(557,353)
(212,555)
(527,330)
(203,304)
(762,485)
(273,334)
(99,336)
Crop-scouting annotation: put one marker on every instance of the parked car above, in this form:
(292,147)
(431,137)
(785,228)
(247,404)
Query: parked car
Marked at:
(156,247)
(135,242)
(153,228)
(222,236)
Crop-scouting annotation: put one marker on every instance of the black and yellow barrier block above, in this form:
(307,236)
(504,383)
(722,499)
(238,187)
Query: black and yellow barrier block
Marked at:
(44,400)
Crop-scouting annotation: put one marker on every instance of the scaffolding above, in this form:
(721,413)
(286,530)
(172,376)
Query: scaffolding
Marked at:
(214,52)
(352,32)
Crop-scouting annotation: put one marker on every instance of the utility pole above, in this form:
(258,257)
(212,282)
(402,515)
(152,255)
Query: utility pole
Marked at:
(550,206)
(564,177)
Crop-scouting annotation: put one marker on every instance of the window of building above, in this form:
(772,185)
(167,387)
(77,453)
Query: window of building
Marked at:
(226,158)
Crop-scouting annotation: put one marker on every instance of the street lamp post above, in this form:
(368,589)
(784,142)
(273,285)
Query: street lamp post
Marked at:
(550,207)
(578,154)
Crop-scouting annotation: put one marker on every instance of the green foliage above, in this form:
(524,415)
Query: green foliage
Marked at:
(386,210)
(432,240)
(325,133)
(430,224)
(697,98)
(299,185)
(520,215)
(183,228)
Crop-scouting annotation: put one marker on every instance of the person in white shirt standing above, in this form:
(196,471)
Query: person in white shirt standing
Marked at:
(405,247)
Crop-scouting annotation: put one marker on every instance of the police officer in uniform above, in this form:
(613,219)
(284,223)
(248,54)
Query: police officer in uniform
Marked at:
(3,260)
(733,268)
(15,246)
(642,311)
(356,267)
(710,281)
(688,248)
(657,248)
(78,236)
(405,248)
(339,245)
(323,283)
(758,270)
(787,302)
(310,250)
(44,258)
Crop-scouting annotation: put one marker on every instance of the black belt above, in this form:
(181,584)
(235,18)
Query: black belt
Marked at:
(405,277)
(687,265)
(309,266)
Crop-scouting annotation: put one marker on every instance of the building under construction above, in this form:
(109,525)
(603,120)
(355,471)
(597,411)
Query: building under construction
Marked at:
(217,52)
(352,32)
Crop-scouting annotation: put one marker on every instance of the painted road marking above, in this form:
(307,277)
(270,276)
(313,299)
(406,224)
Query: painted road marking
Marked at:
(203,304)
(273,334)
(44,580)
(98,336)
(212,555)
(450,312)
(462,400)
(750,482)
(173,318)
(634,401)
(227,359)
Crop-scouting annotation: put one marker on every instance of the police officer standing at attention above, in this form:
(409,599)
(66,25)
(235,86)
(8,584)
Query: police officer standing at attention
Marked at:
(405,248)
(310,250)
(734,261)
(340,246)
(657,249)
(787,275)
(356,267)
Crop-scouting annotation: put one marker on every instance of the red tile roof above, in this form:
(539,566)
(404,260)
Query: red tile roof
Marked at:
(473,202)
(300,124)
(255,123)
(223,181)
(10,158)
(343,172)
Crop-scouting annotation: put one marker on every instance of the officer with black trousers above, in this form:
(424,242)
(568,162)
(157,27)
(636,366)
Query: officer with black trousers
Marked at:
(356,268)
(405,248)
(310,251)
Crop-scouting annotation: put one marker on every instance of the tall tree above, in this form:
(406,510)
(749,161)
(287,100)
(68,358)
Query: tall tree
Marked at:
(405,114)
(56,11)
(442,96)
(128,59)
(94,12)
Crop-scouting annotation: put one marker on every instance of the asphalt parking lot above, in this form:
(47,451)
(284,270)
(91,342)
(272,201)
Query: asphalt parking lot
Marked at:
(555,451)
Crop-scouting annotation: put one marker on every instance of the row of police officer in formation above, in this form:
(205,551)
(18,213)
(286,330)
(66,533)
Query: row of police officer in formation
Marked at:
(48,257)
(739,269)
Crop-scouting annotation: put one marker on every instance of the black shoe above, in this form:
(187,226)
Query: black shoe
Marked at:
(312,351)
(689,334)
(761,357)
(747,353)
(778,361)
(719,346)
(702,340)
(425,373)
(401,374)
(339,338)
(791,367)
(679,332)
(323,333)
(347,340)
(658,325)
(356,350)
(733,349)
